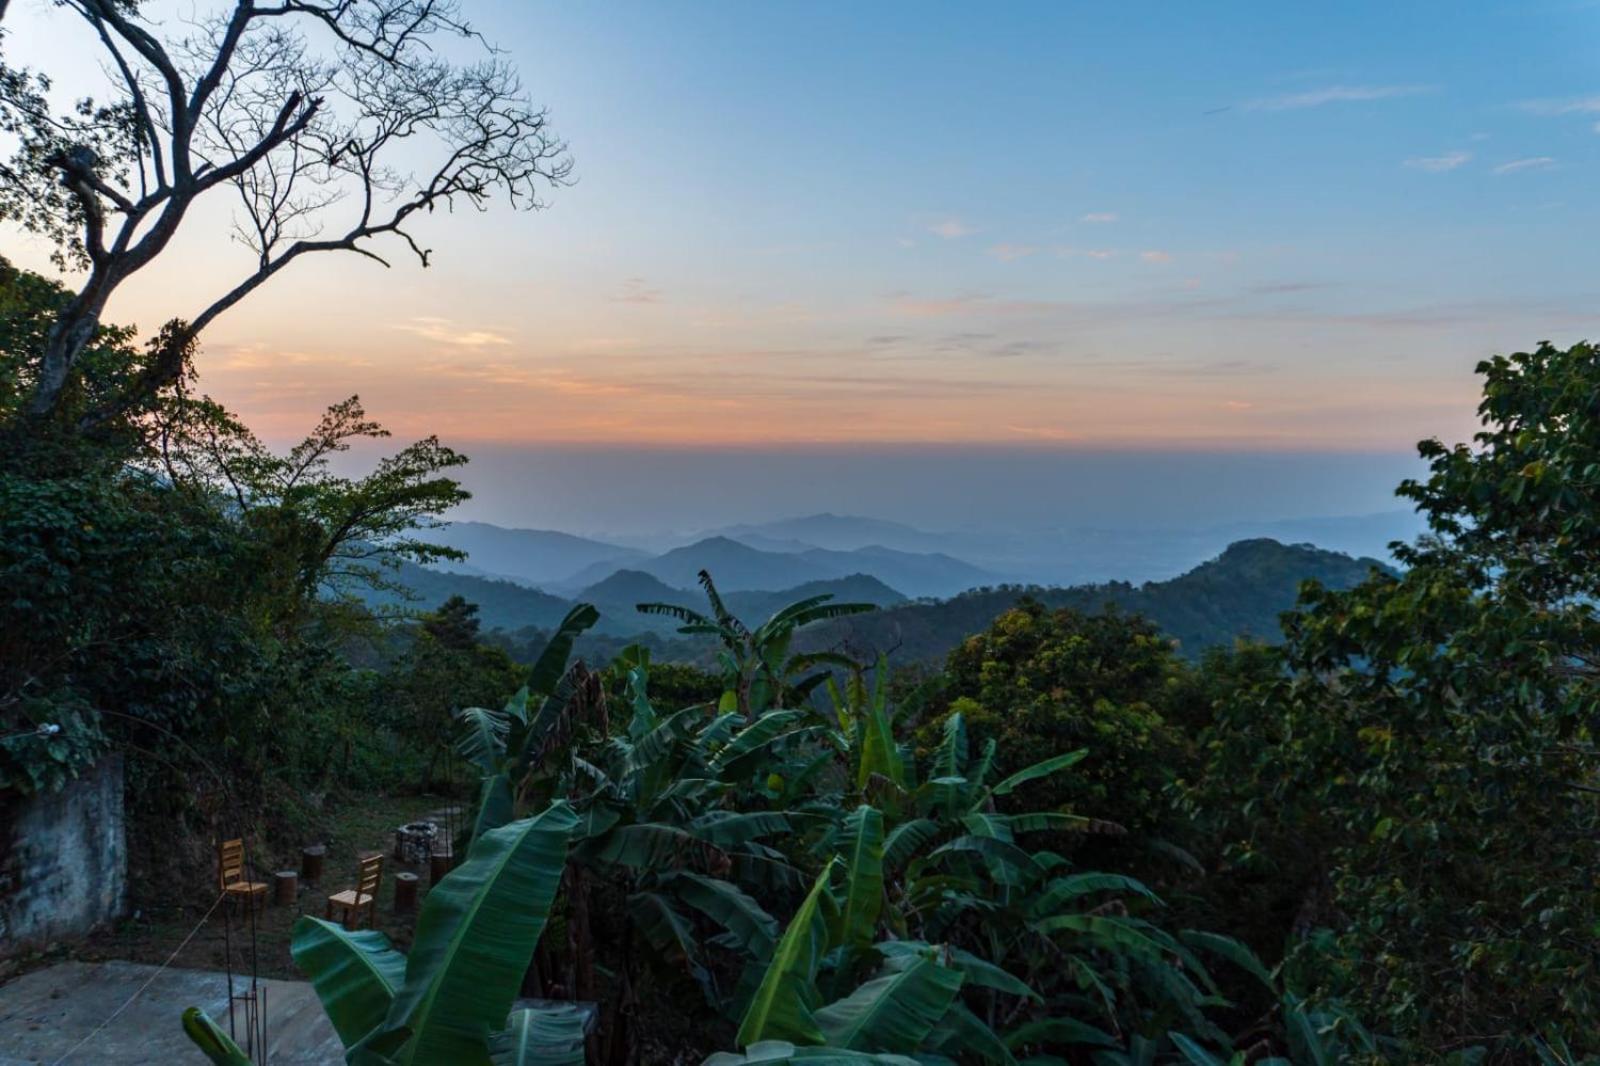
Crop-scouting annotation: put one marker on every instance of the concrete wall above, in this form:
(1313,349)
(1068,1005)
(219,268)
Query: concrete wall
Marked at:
(63,859)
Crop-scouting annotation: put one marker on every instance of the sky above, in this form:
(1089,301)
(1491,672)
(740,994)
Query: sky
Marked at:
(1047,230)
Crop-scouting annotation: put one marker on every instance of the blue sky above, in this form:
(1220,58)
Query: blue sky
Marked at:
(1249,227)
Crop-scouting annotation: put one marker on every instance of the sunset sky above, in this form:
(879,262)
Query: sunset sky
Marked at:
(1243,226)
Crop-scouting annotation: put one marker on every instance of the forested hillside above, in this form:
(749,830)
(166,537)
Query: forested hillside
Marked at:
(1241,593)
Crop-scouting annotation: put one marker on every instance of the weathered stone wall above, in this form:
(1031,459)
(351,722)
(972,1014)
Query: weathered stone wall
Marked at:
(63,859)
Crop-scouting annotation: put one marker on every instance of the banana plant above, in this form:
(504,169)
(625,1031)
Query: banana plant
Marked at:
(509,746)
(908,1009)
(673,809)
(937,855)
(450,999)
(757,669)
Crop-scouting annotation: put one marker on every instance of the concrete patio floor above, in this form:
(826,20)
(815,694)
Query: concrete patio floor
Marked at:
(45,1013)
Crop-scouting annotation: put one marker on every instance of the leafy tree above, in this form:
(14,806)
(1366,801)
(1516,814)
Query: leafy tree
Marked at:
(166,577)
(1040,681)
(1433,747)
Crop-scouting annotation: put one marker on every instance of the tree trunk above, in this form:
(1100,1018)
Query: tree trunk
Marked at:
(70,335)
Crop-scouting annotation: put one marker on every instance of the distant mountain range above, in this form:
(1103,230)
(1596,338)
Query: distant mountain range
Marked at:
(772,560)
(531,556)
(737,566)
(1239,593)
(836,533)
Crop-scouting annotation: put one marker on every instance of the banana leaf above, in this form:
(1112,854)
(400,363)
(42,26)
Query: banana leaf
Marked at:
(211,1040)
(552,662)
(355,974)
(494,808)
(861,847)
(476,933)
(782,1006)
(894,1012)
(540,1036)
(751,927)
(670,933)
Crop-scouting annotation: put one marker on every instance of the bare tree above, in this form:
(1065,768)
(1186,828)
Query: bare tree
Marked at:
(313,113)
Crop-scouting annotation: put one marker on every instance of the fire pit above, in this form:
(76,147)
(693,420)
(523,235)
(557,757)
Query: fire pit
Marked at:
(413,843)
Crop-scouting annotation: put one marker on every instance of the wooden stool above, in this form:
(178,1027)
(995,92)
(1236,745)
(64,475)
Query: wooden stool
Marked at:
(311,858)
(405,892)
(363,897)
(285,887)
(439,864)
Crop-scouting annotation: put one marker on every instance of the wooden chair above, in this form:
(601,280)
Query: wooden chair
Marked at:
(231,876)
(364,895)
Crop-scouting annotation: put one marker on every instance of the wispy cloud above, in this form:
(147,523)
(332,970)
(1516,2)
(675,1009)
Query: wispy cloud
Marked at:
(1099,216)
(1006,253)
(637,291)
(950,228)
(1572,105)
(1438,163)
(1538,162)
(1335,94)
(1156,256)
(1044,432)
(445,331)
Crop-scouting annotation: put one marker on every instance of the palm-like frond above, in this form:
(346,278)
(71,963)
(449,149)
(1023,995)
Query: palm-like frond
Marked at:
(551,665)
(683,614)
(719,610)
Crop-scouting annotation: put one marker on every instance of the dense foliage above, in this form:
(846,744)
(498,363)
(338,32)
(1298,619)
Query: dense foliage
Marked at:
(1433,745)
(172,590)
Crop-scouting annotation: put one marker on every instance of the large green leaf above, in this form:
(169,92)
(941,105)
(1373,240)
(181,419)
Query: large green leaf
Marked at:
(975,970)
(552,662)
(1044,768)
(950,757)
(1115,933)
(1075,886)
(355,974)
(722,827)
(1232,950)
(483,737)
(906,839)
(880,754)
(476,933)
(782,1006)
(757,735)
(894,1012)
(648,846)
(670,933)
(723,902)
(964,1030)
(861,847)
(493,809)
(540,1036)
(210,1039)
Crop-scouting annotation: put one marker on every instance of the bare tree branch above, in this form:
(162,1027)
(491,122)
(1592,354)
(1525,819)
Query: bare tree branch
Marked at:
(311,110)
